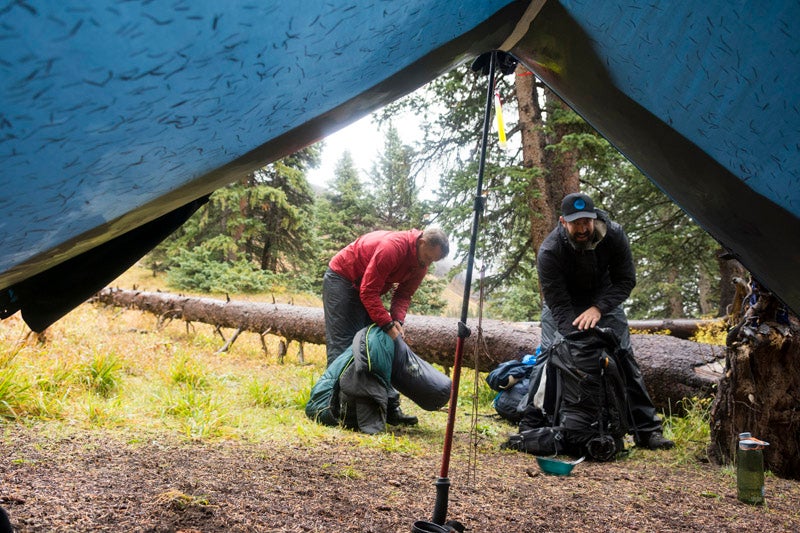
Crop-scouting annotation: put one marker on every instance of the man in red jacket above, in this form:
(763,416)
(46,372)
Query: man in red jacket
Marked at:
(367,268)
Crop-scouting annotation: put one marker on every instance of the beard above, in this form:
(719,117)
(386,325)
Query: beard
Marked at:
(581,246)
(584,244)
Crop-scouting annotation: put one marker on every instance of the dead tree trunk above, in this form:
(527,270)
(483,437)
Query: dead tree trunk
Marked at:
(760,393)
(673,368)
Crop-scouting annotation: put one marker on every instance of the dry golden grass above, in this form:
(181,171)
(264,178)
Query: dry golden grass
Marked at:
(114,369)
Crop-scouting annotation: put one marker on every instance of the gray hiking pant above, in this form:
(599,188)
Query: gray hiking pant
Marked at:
(344,313)
(344,316)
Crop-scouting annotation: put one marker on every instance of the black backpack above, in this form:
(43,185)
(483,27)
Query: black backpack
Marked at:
(585,408)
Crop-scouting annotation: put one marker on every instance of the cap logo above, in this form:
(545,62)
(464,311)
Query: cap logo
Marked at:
(579,204)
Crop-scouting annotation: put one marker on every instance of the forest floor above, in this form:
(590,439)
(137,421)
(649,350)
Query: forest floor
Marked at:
(235,452)
(107,481)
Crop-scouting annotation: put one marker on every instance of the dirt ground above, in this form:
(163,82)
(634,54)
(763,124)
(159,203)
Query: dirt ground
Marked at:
(104,482)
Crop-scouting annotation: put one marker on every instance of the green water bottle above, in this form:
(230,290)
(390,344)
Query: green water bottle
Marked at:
(750,469)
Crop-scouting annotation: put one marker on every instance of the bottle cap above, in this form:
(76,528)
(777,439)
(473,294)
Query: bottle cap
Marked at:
(752,444)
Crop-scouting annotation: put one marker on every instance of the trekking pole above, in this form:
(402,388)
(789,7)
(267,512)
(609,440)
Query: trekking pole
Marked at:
(443,482)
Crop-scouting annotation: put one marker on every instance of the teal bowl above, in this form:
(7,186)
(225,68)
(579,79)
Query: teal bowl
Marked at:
(556,467)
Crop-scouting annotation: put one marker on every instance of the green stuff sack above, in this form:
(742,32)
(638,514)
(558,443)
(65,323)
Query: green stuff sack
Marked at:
(323,405)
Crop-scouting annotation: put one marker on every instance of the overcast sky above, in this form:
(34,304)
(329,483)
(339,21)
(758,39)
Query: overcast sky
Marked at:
(364,141)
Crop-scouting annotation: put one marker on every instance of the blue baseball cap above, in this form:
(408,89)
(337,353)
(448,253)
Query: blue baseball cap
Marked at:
(577,205)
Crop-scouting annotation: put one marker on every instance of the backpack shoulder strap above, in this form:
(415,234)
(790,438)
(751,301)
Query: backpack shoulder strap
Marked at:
(556,409)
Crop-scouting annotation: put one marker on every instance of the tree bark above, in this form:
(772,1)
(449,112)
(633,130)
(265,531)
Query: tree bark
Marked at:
(554,174)
(728,270)
(760,393)
(673,368)
(531,126)
(705,292)
(674,297)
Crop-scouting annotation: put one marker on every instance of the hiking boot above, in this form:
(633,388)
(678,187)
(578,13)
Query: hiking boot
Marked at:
(655,441)
(396,417)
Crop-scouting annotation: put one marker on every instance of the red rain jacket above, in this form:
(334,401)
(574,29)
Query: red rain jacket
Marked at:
(375,262)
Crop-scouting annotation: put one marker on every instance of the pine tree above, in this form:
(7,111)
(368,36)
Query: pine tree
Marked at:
(250,231)
(282,202)
(396,194)
(343,212)
(553,152)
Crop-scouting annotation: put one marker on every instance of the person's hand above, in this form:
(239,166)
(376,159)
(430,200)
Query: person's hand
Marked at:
(396,330)
(587,319)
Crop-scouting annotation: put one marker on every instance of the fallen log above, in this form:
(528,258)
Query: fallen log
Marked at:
(682,328)
(673,368)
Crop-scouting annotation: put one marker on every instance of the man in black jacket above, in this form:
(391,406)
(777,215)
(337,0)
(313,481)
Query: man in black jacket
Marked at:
(586,271)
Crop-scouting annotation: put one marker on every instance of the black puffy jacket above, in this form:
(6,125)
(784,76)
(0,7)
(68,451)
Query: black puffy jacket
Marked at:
(573,280)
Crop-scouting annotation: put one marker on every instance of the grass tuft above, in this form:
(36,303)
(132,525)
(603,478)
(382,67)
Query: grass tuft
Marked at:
(15,399)
(197,412)
(692,431)
(181,501)
(101,374)
(187,371)
(349,472)
(264,394)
